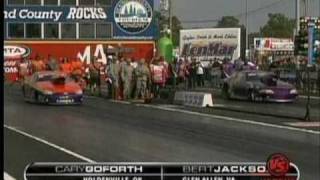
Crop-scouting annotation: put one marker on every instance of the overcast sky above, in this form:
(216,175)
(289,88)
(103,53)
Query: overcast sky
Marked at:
(193,10)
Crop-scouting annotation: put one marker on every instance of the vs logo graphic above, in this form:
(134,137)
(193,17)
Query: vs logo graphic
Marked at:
(278,165)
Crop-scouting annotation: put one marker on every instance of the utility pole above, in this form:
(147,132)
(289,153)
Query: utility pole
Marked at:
(247,27)
(170,18)
(305,7)
(297,16)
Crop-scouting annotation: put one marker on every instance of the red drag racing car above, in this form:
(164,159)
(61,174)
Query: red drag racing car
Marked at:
(52,88)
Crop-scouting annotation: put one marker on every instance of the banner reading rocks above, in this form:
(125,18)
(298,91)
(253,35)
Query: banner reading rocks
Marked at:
(207,44)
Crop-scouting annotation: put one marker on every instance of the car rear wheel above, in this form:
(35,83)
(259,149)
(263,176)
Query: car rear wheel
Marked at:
(25,98)
(225,91)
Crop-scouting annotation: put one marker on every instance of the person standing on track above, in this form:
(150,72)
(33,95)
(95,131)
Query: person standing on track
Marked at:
(158,76)
(66,66)
(24,69)
(182,71)
(200,74)
(127,77)
(53,65)
(113,71)
(142,74)
(38,65)
(94,71)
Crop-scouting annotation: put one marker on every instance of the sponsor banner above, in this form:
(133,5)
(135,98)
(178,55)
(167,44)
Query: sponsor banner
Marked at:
(82,50)
(15,51)
(55,14)
(131,19)
(273,44)
(206,44)
(10,68)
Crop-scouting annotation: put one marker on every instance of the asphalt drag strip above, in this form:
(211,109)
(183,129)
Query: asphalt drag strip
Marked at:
(21,150)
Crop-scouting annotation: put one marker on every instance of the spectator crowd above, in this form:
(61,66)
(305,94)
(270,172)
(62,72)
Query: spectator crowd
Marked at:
(126,78)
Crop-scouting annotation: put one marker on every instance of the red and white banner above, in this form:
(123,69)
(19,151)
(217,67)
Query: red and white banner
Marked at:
(11,72)
(15,51)
(273,44)
(82,50)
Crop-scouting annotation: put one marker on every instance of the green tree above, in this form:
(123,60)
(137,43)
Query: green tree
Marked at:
(158,21)
(278,26)
(228,22)
(176,27)
(163,23)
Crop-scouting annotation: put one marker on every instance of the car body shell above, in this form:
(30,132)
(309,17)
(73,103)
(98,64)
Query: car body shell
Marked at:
(42,87)
(258,85)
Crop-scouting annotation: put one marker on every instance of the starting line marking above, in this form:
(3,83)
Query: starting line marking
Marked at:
(6,176)
(50,144)
(304,124)
(232,119)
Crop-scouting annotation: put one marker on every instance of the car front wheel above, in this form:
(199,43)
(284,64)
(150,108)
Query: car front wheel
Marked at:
(23,92)
(35,97)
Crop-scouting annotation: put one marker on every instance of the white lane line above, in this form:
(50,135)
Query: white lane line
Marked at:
(231,119)
(50,144)
(6,176)
(120,102)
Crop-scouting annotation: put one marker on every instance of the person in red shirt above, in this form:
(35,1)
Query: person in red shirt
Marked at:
(38,65)
(162,62)
(66,66)
(158,76)
(77,67)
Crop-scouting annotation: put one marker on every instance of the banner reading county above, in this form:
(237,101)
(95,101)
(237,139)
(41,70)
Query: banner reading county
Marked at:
(130,19)
(55,14)
(207,44)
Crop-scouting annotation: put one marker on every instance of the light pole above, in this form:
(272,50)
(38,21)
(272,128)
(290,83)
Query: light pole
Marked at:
(305,7)
(247,28)
(170,17)
(298,16)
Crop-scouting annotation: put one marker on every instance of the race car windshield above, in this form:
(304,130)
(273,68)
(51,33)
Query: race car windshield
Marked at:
(60,80)
(44,78)
(269,80)
(253,77)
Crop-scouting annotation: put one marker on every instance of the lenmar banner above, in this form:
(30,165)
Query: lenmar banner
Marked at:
(130,18)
